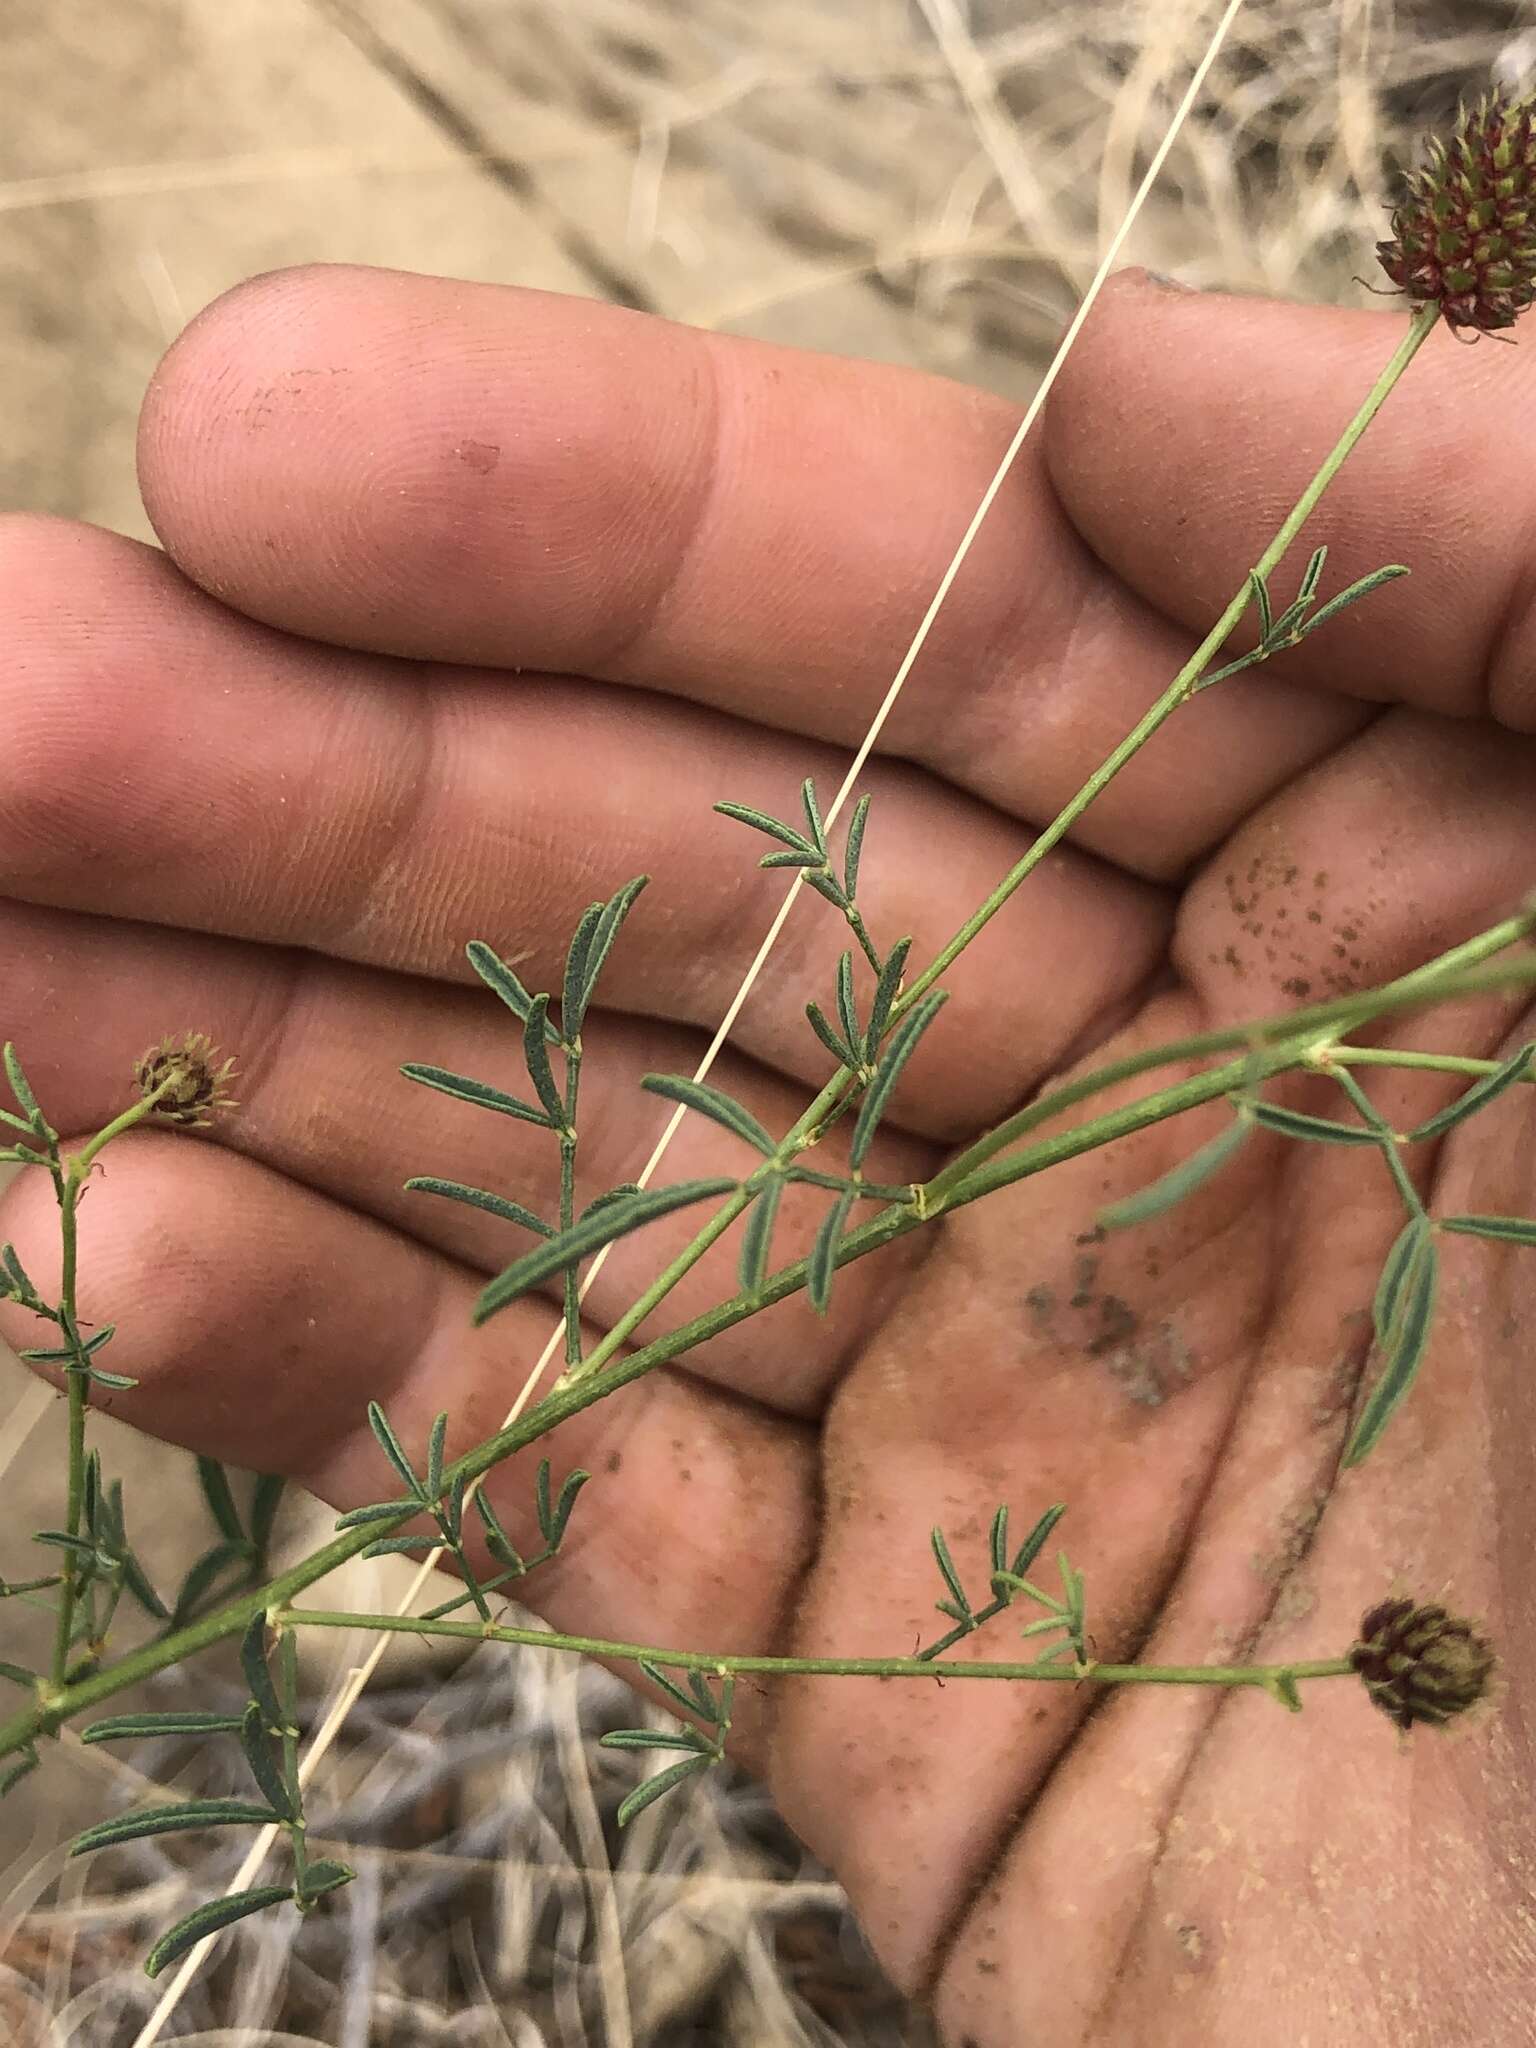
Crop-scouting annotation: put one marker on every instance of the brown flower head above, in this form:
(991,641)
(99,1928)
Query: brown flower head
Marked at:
(194,1087)
(1420,1663)
(1464,233)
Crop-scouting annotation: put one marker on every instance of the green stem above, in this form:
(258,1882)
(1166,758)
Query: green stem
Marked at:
(1388,1141)
(288,1668)
(728,1663)
(1419,329)
(68,1179)
(1454,973)
(572,1285)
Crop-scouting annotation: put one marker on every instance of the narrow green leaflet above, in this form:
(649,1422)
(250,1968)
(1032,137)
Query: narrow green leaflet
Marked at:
(652,1789)
(904,1042)
(745,814)
(1259,590)
(136,1579)
(22,1286)
(1389,1286)
(609,924)
(575,979)
(497,1541)
(376,1511)
(845,1055)
(25,1765)
(536,1055)
(607,1199)
(463,1089)
(997,1540)
(617,1220)
(324,1875)
(1180,1182)
(393,1449)
(436,1446)
(205,1574)
(961,1608)
(253,1662)
(1028,1550)
(401,1546)
(652,1738)
(818,831)
(826,885)
(554,1520)
(1509,1229)
(266,1498)
(22,1091)
(64,1353)
(1361,588)
(211,1918)
(853,851)
(258,1754)
(757,1239)
(480,1198)
(672,1689)
(147,1727)
(887,988)
(1410,1307)
(1477,1097)
(497,975)
(214,1481)
(719,1107)
(1295,1123)
(847,1010)
(170,1820)
(823,1260)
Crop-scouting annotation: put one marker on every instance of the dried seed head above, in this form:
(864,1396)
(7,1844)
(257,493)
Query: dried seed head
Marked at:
(1420,1663)
(194,1088)
(1464,234)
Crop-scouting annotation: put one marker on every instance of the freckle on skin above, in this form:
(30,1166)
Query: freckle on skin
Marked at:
(480,456)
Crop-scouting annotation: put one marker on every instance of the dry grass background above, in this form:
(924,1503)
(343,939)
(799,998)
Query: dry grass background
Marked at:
(925,181)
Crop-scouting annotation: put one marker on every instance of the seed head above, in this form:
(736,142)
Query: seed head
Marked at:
(194,1088)
(1420,1663)
(1464,232)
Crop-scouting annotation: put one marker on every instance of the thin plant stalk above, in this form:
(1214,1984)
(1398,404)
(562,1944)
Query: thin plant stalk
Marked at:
(723,1664)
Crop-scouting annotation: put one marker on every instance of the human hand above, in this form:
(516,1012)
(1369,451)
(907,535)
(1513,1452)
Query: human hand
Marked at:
(499,593)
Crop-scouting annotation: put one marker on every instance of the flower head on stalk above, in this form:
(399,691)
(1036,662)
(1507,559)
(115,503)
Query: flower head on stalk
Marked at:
(1464,232)
(194,1088)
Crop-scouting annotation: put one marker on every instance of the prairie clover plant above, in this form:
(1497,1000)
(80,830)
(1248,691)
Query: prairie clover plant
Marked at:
(1463,249)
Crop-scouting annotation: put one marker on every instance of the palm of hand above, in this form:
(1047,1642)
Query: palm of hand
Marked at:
(291,857)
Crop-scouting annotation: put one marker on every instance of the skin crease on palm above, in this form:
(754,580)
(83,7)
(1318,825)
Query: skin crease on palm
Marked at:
(472,602)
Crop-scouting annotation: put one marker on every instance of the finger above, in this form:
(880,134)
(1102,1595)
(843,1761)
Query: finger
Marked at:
(260,1319)
(1156,410)
(320,1099)
(472,474)
(174,764)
